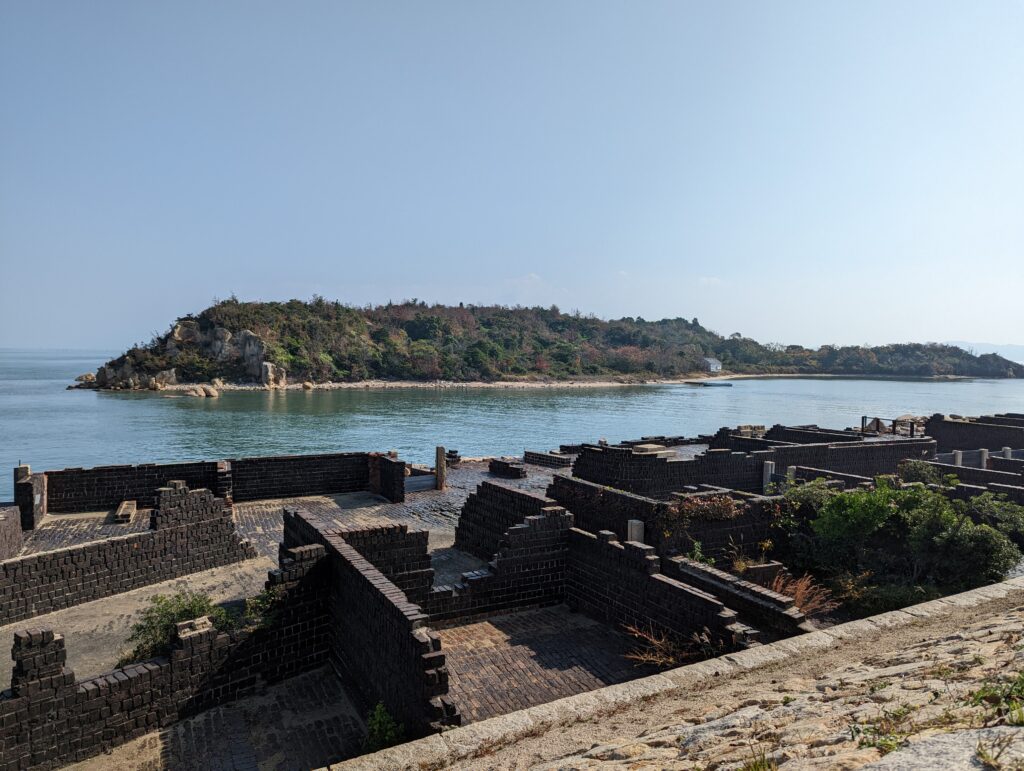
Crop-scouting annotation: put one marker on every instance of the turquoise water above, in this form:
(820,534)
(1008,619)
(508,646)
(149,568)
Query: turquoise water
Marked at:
(48,427)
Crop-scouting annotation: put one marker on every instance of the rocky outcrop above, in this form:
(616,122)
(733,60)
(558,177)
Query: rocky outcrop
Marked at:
(273,376)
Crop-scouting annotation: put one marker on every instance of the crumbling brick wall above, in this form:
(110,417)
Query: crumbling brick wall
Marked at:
(810,435)
(10,532)
(48,719)
(196,532)
(386,476)
(29,496)
(769,610)
(977,476)
(596,508)
(489,512)
(621,584)
(104,487)
(528,571)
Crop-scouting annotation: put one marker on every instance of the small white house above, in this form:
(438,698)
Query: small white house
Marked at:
(712,364)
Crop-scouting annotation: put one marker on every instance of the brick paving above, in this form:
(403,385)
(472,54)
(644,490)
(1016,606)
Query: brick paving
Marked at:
(520,660)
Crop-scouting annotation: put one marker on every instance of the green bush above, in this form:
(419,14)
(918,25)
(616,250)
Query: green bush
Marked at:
(920,471)
(154,632)
(884,548)
(381,730)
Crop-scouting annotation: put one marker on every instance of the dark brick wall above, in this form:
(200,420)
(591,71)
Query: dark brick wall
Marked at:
(725,439)
(596,508)
(621,584)
(47,719)
(528,571)
(810,435)
(386,476)
(977,476)
(966,435)
(507,468)
(378,637)
(287,476)
(104,487)
(196,532)
(489,512)
(10,532)
(1009,465)
(757,604)
(806,474)
(547,459)
(868,459)
(718,537)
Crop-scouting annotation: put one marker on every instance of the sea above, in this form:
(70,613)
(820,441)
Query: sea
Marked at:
(49,427)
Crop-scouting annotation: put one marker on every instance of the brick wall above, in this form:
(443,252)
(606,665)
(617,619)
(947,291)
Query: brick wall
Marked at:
(769,610)
(966,435)
(719,537)
(386,476)
(554,460)
(528,571)
(810,435)
(806,474)
(10,532)
(977,476)
(287,476)
(104,487)
(622,584)
(489,512)
(596,508)
(659,477)
(378,636)
(381,643)
(30,496)
(196,532)
(1009,465)
(47,719)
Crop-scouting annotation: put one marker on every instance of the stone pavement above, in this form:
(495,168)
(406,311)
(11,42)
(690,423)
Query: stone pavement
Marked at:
(519,660)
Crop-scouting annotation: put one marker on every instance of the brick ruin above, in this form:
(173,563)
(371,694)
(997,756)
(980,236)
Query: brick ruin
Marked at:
(608,540)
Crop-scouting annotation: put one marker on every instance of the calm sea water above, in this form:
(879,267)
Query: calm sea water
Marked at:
(48,427)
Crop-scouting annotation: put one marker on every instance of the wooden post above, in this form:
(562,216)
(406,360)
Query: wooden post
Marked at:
(441,467)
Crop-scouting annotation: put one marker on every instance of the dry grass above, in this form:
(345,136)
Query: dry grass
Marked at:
(659,650)
(811,598)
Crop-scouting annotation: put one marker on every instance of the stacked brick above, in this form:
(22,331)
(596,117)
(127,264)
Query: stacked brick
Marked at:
(104,487)
(386,476)
(489,512)
(621,584)
(195,533)
(507,469)
(596,508)
(1009,465)
(528,570)
(973,434)
(751,525)
(29,496)
(810,435)
(48,720)
(10,532)
(978,476)
(659,477)
(769,610)
(380,642)
(288,476)
(549,459)
(848,481)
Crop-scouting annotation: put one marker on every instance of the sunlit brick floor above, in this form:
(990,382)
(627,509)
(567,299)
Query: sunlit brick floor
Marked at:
(519,660)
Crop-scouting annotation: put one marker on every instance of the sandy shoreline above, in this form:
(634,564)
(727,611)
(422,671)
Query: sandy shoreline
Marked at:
(384,385)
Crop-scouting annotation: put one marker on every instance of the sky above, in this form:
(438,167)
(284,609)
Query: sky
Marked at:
(799,172)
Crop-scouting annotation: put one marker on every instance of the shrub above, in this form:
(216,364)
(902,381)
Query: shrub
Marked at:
(381,730)
(920,471)
(810,597)
(154,632)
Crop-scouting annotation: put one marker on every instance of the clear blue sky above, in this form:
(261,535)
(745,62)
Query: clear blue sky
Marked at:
(799,172)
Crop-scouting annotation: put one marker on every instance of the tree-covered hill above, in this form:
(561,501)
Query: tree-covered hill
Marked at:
(327,341)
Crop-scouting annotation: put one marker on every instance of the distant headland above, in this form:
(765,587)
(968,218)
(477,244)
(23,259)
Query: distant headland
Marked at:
(322,343)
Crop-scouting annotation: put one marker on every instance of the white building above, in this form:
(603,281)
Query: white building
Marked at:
(712,364)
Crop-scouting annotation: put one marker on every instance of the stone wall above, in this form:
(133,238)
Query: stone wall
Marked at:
(194,532)
(488,514)
(287,476)
(10,532)
(48,720)
(621,584)
(969,435)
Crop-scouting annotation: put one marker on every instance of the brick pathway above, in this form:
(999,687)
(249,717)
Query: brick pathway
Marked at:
(523,659)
